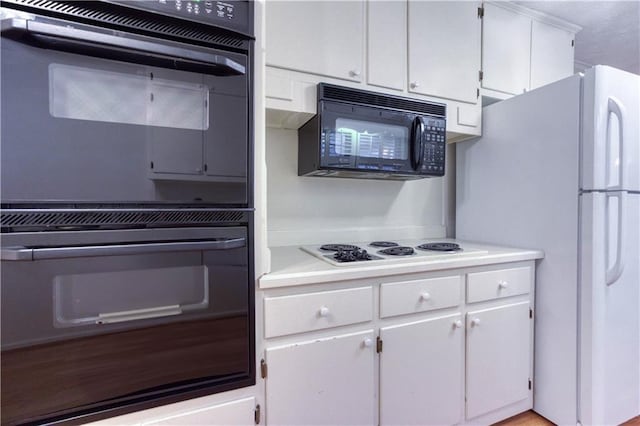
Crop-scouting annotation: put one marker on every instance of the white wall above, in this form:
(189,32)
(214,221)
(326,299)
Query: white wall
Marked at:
(313,210)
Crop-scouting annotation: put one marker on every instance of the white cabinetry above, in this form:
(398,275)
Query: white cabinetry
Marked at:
(498,357)
(551,54)
(213,410)
(506,38)
(447,347)
(421,369)
(436,43)
(323,381)
(523,49)
(386,38)
(444,49)
(320,37)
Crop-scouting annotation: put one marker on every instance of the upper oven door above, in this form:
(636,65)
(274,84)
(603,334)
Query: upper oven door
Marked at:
(365,138)
(115,317)
(90,114)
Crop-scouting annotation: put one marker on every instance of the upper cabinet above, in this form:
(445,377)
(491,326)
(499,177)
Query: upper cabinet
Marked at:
(319,37)
(551,53)
(444,49)
(386,38)
(523,49)
(506,39)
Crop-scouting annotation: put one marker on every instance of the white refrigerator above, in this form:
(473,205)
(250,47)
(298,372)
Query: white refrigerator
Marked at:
(558,169)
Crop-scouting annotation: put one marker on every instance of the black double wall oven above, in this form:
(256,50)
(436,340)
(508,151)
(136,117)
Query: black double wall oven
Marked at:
(126,181)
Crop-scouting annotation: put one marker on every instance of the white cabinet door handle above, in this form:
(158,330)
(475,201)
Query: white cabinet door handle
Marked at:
(324,311)
(503,284)
(414,85)
(457,324)
(354,73)
(475,322)
(425,296)
(368,342)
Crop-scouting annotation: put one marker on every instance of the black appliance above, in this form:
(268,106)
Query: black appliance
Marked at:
(127,212)
(361,134)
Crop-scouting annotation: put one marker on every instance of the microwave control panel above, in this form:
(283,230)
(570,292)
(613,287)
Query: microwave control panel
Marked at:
(434,143)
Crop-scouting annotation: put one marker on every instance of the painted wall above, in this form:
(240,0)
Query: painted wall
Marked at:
(313,210)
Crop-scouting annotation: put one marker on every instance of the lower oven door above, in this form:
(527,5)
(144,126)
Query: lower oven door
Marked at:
(100,320)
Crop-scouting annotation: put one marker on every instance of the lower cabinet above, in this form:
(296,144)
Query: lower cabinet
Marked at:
(326,381)
(437,349)
(421,369)
(498,357)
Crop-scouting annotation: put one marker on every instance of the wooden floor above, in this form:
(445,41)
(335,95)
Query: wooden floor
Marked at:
(529,418)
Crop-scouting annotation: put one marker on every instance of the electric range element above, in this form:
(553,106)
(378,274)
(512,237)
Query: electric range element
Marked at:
(340,254)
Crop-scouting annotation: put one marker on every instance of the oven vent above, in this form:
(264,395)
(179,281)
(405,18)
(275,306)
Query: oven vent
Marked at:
(345,94)
(53,220)
(146,23)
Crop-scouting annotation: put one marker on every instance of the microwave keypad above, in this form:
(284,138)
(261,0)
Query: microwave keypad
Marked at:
(434,147)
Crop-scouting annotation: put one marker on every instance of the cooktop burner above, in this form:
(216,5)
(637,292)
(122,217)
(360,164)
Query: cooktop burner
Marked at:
(398,251)
(440,247)
(352,256)
(383,244)
(339,247)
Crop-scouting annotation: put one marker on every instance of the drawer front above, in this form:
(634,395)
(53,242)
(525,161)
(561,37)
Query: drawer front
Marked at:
(497,284)
(418,296)
(316,311)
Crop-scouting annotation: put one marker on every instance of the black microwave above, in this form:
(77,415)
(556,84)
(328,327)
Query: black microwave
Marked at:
(361,134)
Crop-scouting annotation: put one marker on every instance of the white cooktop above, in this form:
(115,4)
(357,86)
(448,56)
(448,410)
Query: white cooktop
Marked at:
(418,254)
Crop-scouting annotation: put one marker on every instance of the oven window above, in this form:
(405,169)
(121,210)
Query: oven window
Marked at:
(368,139)
(98,95)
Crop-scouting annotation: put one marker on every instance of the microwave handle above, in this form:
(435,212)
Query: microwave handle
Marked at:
(25,253)
(417,143)
(92,43)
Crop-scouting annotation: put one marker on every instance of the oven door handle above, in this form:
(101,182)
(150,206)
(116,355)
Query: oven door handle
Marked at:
(92,43)
(25,253)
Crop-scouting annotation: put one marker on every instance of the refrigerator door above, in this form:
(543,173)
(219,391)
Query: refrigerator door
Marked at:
(609,327)
(611,135)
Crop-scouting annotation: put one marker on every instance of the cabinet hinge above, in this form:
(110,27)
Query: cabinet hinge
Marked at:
(263,369)
(378,344)
(477,93)
(256,414)
(530,313)
(481,12)
(529,384)
(573,43)
(480,75)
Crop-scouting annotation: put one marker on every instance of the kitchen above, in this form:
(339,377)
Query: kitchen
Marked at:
(293,211)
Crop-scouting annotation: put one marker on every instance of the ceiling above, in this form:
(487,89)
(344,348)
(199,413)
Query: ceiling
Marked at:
(610,30)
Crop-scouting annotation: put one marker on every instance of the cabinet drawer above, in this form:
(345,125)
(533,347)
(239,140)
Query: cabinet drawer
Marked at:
(419,296)
(497,284)
(316,311)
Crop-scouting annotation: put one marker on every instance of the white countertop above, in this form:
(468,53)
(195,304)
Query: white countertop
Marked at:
(292,266)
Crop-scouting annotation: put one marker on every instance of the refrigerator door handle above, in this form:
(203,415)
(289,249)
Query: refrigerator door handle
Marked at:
(615,159)
(615,271)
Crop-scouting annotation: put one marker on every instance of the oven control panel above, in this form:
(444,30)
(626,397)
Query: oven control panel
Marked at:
(434,141)
(234,15)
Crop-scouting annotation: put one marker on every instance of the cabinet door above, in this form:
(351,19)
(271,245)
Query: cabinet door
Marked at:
(322,382)
(239,412)
(444,49)
(387,44)
(421,372)
(506,47)
(498,357)
(319,37)
(551,54)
